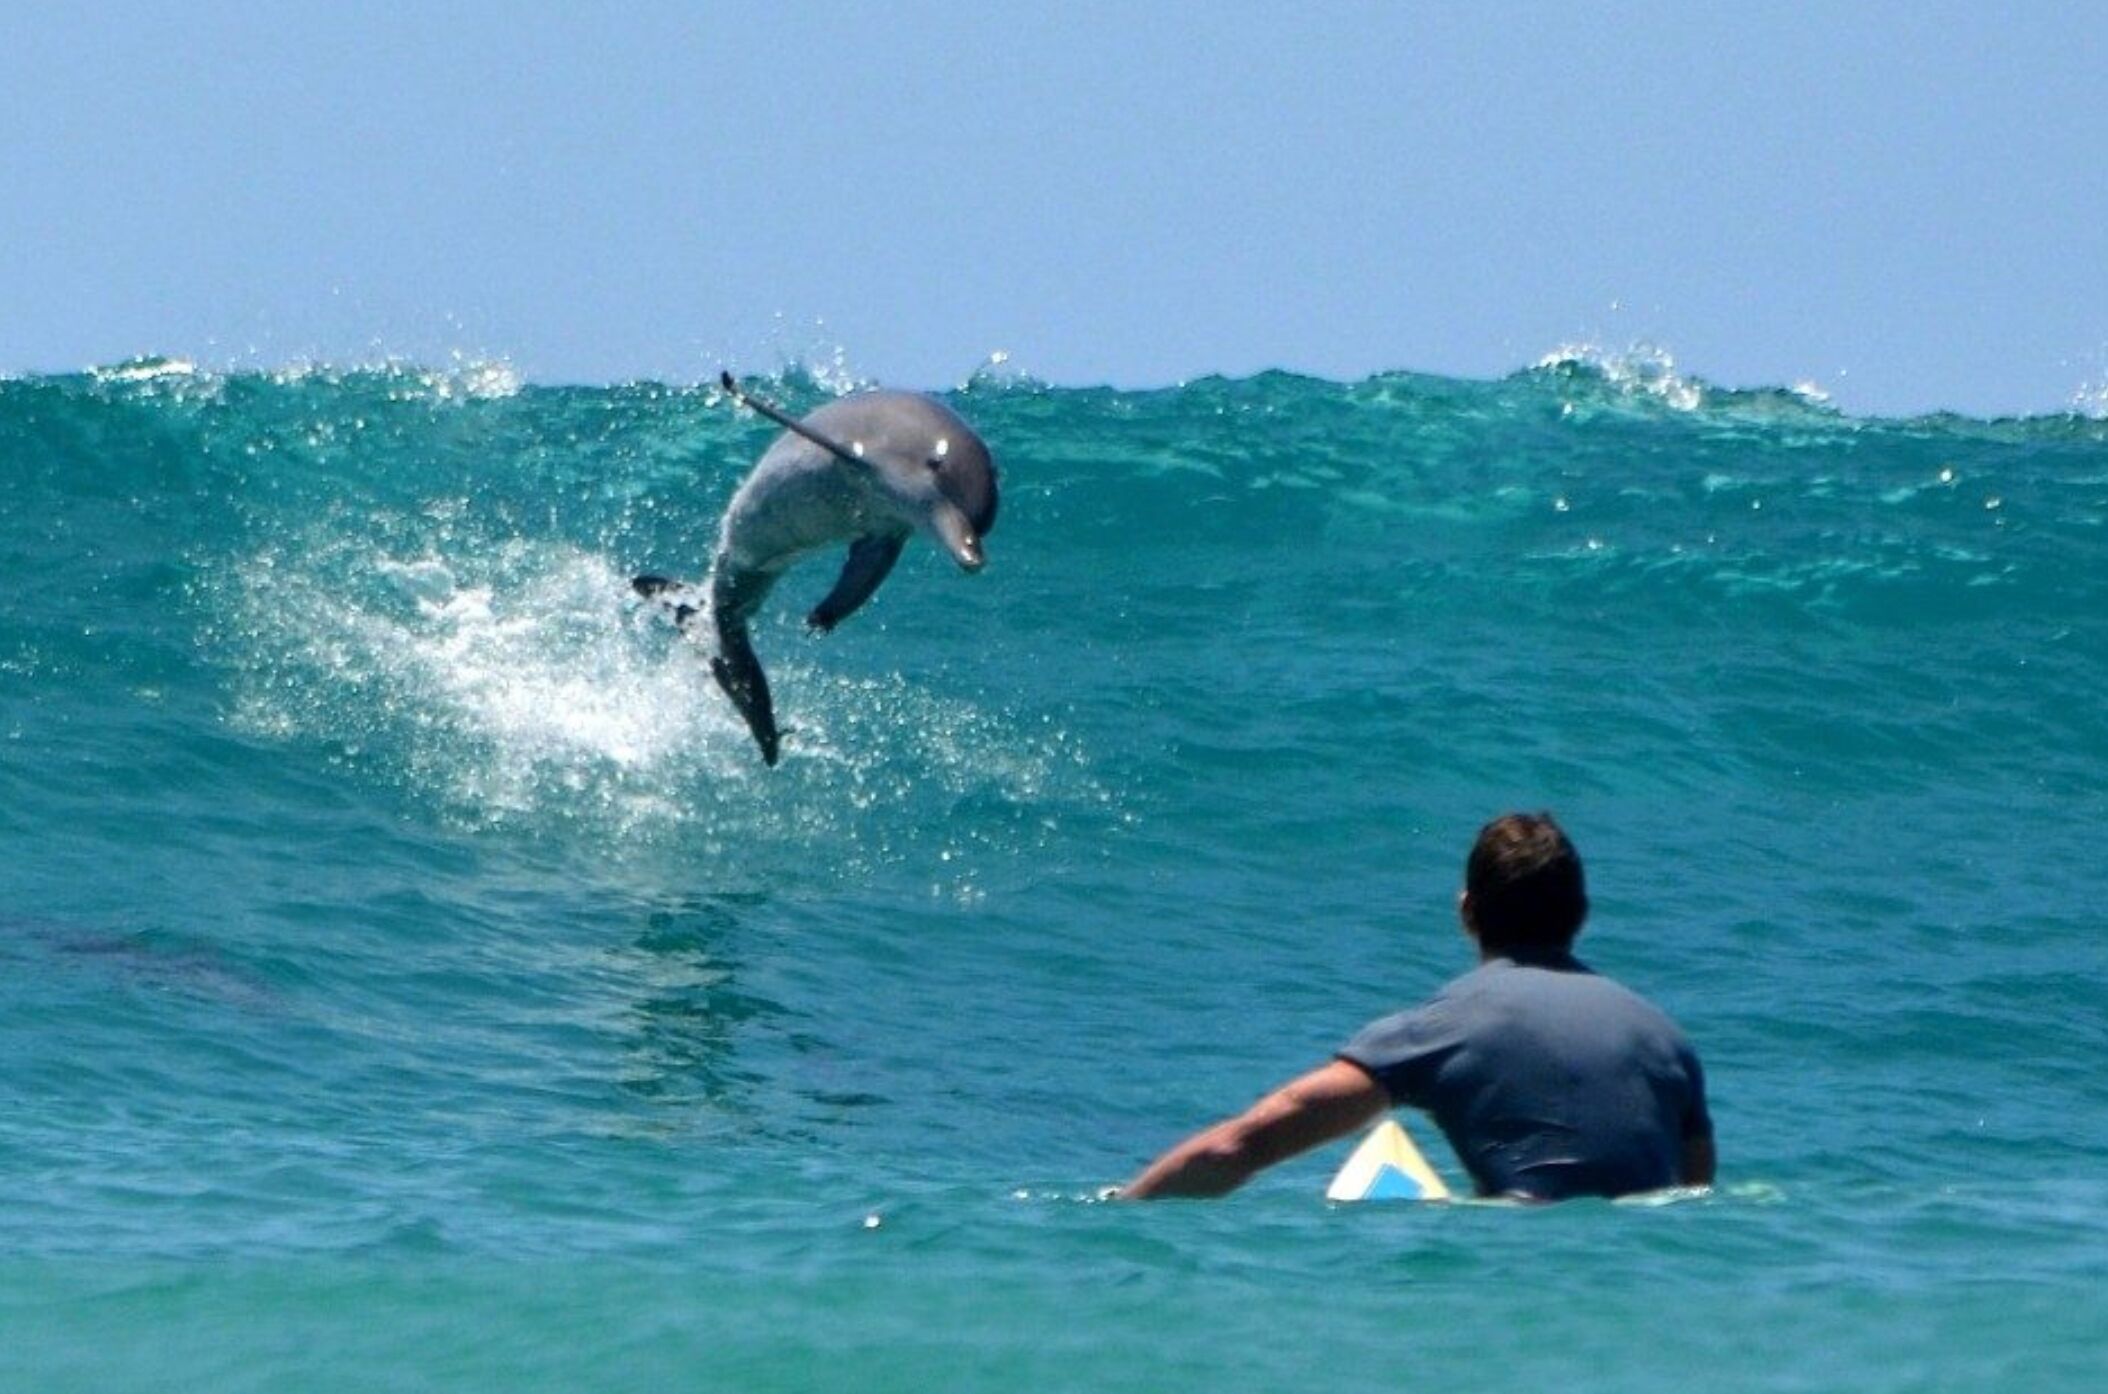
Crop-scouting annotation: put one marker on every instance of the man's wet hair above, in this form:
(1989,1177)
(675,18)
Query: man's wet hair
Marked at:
(1524,879)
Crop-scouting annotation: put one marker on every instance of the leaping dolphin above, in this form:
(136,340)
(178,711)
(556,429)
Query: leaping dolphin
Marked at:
(870,470)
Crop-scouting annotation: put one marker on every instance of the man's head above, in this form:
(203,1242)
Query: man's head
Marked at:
(1523,891)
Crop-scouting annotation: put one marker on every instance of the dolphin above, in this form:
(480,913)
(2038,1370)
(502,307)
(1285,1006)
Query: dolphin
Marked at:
(872,470)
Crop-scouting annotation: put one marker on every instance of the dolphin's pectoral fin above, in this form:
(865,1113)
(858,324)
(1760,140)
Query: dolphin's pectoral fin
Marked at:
(739,673)
(870,559)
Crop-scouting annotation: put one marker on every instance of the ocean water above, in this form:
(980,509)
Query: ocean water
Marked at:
(411,979)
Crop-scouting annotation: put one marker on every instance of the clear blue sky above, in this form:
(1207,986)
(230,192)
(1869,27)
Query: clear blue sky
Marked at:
(1904,203)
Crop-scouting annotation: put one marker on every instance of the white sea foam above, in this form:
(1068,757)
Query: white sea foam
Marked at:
(146,370)
(1641,369)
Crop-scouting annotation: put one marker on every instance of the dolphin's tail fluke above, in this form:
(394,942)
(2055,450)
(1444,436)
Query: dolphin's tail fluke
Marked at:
(739,673)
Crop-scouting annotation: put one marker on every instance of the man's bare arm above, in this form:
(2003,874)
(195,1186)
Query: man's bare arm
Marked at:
(1329,1102)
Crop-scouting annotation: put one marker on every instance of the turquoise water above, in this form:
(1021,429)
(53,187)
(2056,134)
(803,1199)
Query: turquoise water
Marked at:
(410,978)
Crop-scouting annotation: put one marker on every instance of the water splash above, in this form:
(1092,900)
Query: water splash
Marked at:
(508,685)
(523,684)
(1640,370)
(465,378)
(2091,401)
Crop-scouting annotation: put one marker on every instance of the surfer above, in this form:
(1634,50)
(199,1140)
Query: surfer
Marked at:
(1548,1079)
(870,470)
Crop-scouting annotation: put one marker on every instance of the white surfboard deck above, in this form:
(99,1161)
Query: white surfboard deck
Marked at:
(1387,1166)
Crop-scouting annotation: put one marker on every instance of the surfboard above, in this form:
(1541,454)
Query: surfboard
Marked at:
(1387,1166)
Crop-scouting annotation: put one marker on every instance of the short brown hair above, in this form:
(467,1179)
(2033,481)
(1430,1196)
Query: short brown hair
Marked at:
(1524,879)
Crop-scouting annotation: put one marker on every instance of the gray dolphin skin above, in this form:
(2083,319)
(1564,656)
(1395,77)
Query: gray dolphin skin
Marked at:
(870,470)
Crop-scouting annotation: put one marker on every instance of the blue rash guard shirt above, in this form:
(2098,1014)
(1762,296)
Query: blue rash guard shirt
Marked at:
(1548,1079)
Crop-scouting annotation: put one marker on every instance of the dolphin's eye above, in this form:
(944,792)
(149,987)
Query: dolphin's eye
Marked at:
(936,464)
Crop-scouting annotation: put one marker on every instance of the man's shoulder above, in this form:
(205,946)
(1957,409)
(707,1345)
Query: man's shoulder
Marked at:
(1569,984)
(1502,990)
